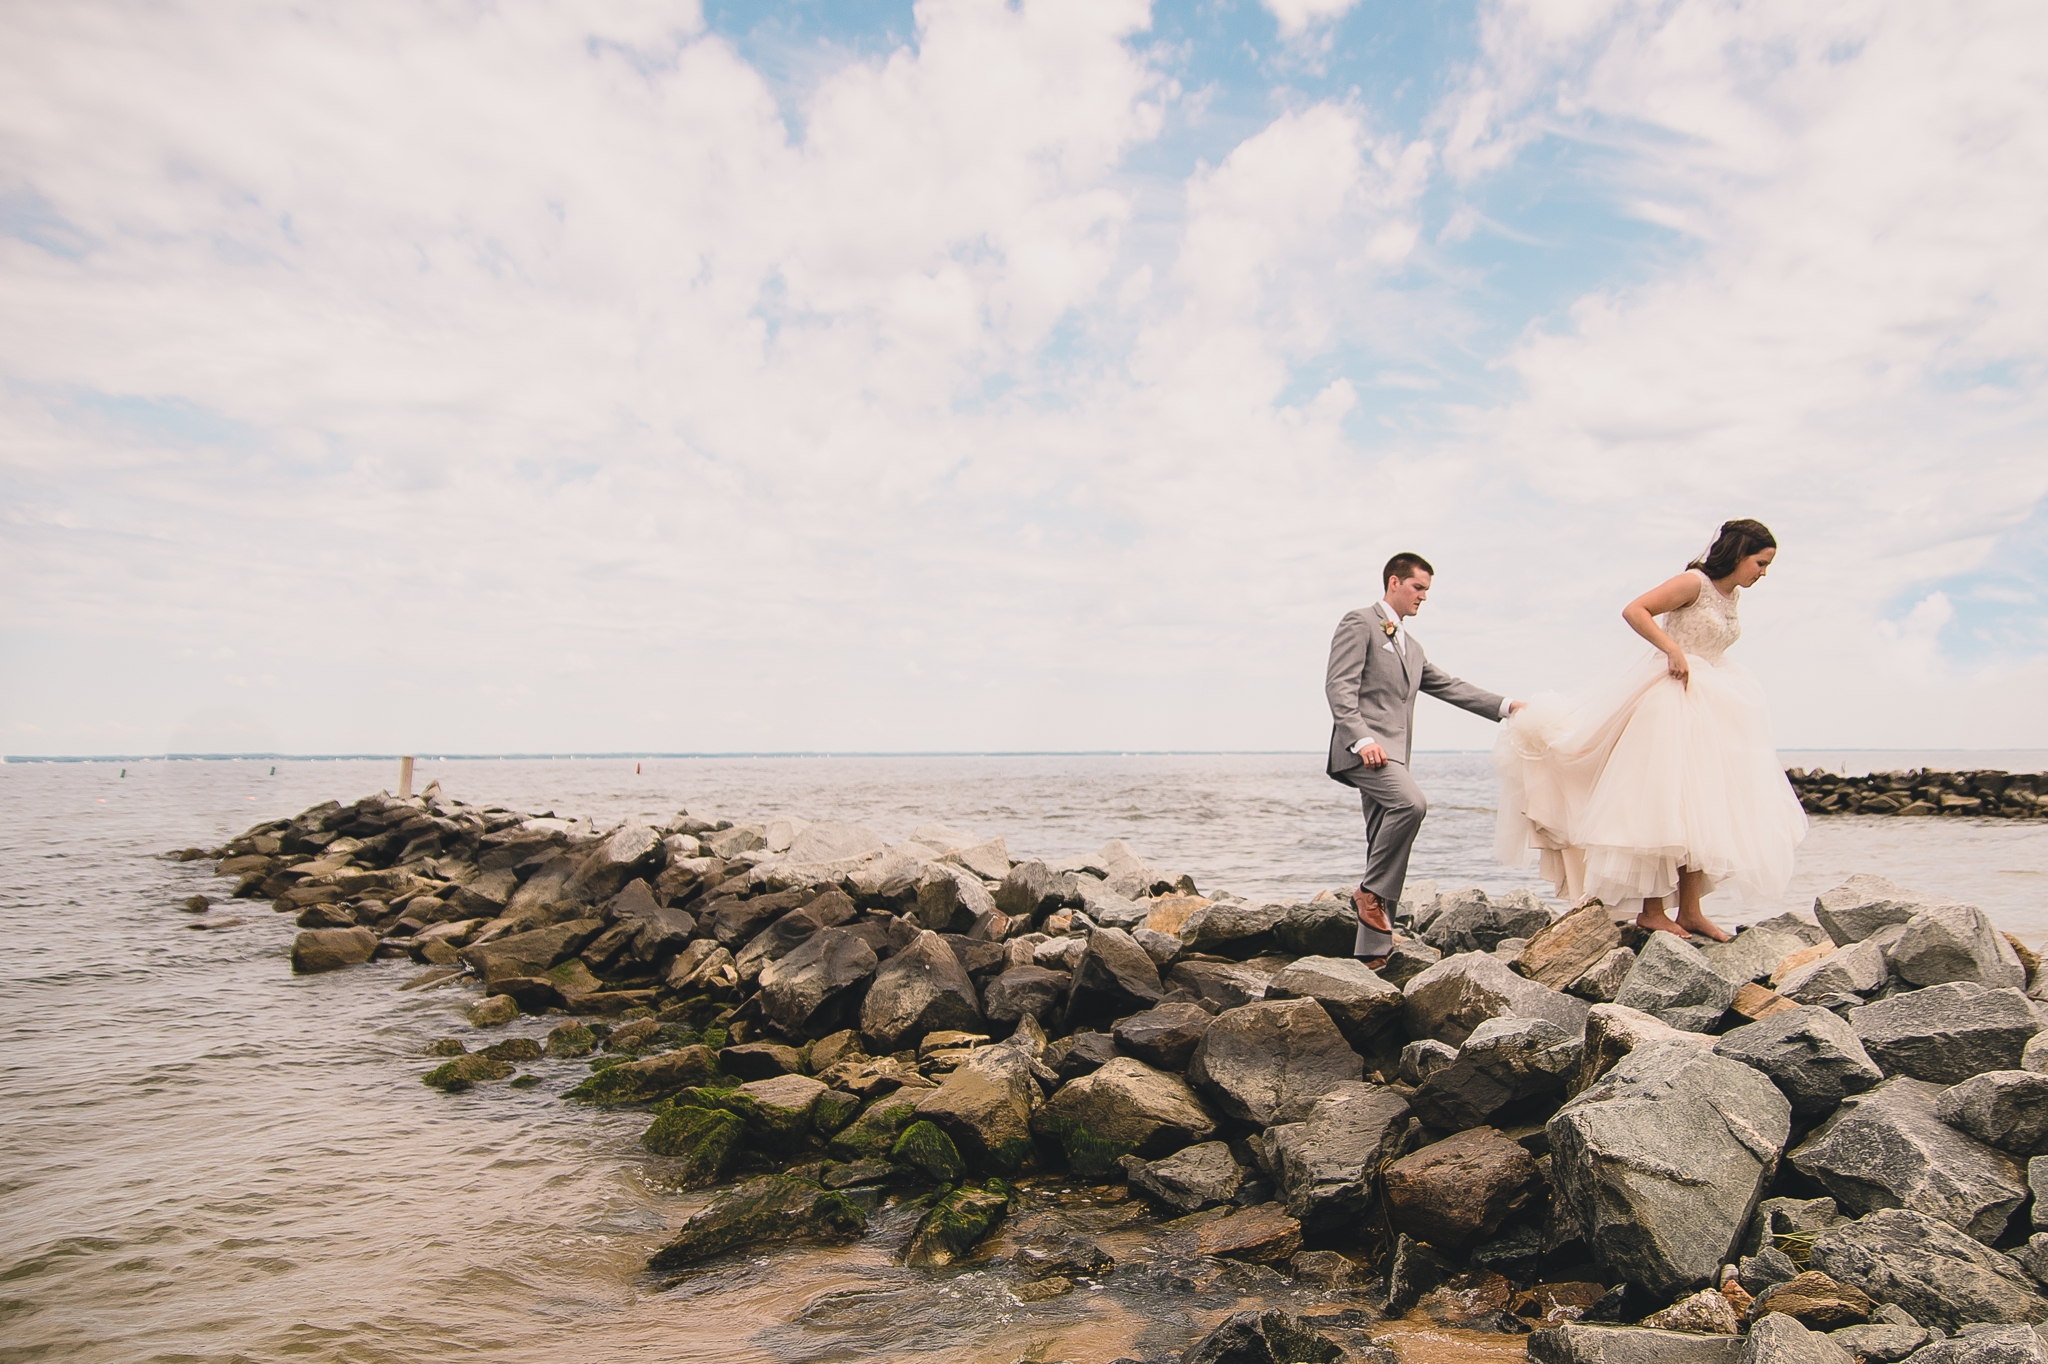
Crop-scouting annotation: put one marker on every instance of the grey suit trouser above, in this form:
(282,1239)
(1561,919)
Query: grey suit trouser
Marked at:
(1394,807)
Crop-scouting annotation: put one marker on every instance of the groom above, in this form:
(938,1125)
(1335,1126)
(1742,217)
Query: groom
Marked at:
(1376,667)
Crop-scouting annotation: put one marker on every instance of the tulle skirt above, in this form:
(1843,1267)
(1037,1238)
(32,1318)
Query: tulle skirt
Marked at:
(1617,791)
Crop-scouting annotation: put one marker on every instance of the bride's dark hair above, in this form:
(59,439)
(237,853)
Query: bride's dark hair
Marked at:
(1736,542)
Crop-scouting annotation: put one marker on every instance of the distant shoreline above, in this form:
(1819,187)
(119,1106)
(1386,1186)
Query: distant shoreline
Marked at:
(630,756)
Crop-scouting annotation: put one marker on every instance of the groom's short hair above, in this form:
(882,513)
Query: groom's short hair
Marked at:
(1405,566)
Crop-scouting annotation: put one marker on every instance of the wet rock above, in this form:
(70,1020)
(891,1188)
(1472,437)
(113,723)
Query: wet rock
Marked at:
(1233,928)
(921,989)
(1577,1343)
(1858,969)
(1271,1336)
(760,1060)
(815,989)
(652,1077)
(1268,1062)
(1414,1271)
(1451,998)
(1987,1345)
(1879,1342)
(1223,984)
(1165,1035)
(1057,1252)
(1604,979)
(1124,1108)
(2007,1109)
(1115,977)
(923,1148)
(1816,1302)
(1862,905)
(1024,991)
(447,1046)
(986,1104)
(1946,1033)
(1420,1060)
(1659,1164)
(779,1109)
(493,1012)
(772,1209)
(1474,1301)
(1504,1061)
(326,916)
(1812,1055)
(1614,1030)
(1469,921)
(1202,1176)
(956,1224)
(1888,1149)
(1556,1303)
(1359,1002)
(1457,1191)
(1560,953)
(465,1071)
(1263,1234)
(1072,1057)
(1705,1313)
(1673,983)
(874,1133)
(513,1049)
(532,953)
(1327,1163)
(1778,1339)
(1951,942)
(1924,1265)
(1517,1253)
(707,1141)
(329,949)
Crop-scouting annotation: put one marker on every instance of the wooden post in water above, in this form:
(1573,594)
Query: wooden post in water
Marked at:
(405,777)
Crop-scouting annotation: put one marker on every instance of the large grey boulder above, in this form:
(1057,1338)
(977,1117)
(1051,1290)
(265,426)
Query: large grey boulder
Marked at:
(1982,1344)
(1327,1163)
(1950,942)
(1128,1104)
(1863,904)
(523,954)
(1358,1001)
(1659,1164)
(921,989)
(1225,984)
(1888,1149)
(2007,1109)
(634,849)
(1585,1343)
(1754,952)
(1812,1056)
(950,898)
(1921,1263)
(1325,928)
(1671,981)
(1778,1339)
(1946,1033)
(1164,1035)
(1857,969)
(1115,977)
(815,988)
(1232,928)
(829,842)
(1470,921)
(1269,1062)
(1451,998)
(1202,1176)
(1614,1030)
(1023,991)
(1505,1060)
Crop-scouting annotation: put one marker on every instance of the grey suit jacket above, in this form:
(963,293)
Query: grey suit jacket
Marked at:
(1372,687)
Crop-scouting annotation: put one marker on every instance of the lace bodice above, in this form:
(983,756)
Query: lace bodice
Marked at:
(1709,625)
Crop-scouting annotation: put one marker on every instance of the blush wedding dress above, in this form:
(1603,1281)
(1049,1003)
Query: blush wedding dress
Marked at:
(1646,775)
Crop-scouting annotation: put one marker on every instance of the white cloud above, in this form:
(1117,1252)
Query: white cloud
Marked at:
(1298,16)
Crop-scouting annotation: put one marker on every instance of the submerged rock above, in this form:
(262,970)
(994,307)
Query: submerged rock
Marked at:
(706,1140)
(956,1224)
(1272,1336)
(770,1209)
(1264,1234)
(465,1071)
(330,949)
(652,1077)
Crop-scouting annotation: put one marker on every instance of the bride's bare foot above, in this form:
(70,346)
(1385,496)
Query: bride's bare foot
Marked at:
(1692,921)
(1660,921)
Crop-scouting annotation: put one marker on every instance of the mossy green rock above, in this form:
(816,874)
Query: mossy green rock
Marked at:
(928,1151)
(956,1224)
(464,1071)
(447,1046)
(494,1012)
(651,1077)
(770,1209)
(706,1140)
(513,1049)
(873,1134)
(570,1039)
(1088,1156)
(835,1108)
(525,1081)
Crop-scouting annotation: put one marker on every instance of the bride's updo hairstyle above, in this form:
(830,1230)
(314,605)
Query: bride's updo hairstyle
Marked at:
(1736,542)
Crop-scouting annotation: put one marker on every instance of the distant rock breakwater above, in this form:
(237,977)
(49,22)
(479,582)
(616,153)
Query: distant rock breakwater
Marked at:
(1999,795)
(1816,1142)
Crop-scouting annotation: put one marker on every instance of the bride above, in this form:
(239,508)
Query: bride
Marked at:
(1665,783)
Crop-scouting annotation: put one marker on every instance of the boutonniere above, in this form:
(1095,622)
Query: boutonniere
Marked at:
(1390,628)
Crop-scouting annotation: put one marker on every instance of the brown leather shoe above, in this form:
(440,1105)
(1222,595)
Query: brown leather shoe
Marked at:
(1372,911)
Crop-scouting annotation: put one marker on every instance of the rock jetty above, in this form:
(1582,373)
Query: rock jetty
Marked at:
(1997,795)
(1825,1141)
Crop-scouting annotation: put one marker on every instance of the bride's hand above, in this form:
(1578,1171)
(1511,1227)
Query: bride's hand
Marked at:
(1679,668)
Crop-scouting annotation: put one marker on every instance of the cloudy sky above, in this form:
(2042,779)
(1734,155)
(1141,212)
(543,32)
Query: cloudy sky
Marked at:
(640,376)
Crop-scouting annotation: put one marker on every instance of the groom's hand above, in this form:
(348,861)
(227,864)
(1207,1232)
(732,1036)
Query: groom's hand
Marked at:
(1514,706)
(1372,755)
